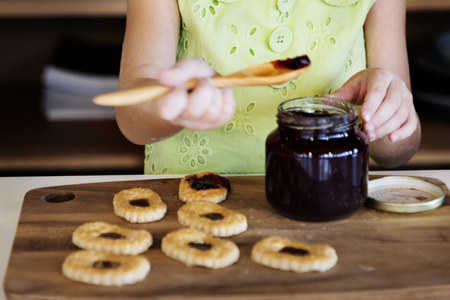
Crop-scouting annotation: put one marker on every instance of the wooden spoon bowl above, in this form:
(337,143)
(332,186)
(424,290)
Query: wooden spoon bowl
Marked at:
(270,73)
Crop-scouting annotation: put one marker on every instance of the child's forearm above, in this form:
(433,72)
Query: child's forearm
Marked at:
(386,48)
(150,45)
(141,123)
(391,155)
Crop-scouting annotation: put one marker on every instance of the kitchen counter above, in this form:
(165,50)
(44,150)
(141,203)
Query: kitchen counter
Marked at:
(13,190)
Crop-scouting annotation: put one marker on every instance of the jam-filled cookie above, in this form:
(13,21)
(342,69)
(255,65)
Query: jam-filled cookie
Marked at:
(284,254)
(105,269)
(205,186)
(197,248)
(212,218)
(139,205)
(104,237)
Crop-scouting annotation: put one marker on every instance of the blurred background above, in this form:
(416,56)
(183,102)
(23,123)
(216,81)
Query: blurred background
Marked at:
(56,55)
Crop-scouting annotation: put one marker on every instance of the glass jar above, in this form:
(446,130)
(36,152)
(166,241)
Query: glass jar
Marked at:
(316,160)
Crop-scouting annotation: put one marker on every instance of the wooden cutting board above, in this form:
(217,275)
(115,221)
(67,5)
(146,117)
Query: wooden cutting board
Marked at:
(381,255)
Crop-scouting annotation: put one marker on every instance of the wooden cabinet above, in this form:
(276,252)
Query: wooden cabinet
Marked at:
(42,8)
(59,8)
(428,5)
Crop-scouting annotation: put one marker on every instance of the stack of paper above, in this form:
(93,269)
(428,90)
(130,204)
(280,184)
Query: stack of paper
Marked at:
(78,71)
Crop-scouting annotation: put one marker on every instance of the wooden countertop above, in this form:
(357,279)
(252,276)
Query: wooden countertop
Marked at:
(381,255)
(114,8)
(14,188)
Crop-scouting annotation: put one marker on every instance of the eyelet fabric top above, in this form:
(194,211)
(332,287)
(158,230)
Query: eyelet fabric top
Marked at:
(233,34)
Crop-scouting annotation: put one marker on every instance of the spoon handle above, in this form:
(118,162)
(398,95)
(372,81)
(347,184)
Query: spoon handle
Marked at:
(275,72)
(152,92)
(138,95)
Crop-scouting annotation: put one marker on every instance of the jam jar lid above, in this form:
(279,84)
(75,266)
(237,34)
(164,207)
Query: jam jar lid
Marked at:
(404,194)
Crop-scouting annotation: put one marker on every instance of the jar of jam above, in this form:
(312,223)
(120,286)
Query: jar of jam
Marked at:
(316,160)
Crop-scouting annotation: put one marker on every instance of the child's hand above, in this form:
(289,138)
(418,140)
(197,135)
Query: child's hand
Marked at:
(205,107)
(387,104)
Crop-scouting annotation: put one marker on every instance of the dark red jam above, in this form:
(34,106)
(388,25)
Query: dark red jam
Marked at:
(292,63)
(213,216)
(209,181)
(294,251)
(112,236)
(200,246)
(104,264)
(316,160)
(140,202)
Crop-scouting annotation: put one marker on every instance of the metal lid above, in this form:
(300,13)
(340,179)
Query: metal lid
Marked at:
(404,194)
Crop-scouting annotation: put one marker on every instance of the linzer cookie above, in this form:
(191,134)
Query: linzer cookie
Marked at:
(104,237)
(139,205)
(284,254)
(212,218)
(105,269)
(197,248)
(205,186)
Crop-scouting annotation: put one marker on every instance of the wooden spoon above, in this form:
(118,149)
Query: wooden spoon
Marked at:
(274,72)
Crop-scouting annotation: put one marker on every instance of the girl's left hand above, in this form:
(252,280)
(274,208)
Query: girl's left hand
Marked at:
(387,103)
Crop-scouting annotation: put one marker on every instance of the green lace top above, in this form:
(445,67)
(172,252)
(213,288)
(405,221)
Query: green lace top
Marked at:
(233,34)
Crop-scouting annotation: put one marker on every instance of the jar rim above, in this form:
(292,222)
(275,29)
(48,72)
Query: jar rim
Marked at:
(317,113)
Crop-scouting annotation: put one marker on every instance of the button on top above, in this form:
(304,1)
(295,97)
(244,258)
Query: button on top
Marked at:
(285,5)
(280,39)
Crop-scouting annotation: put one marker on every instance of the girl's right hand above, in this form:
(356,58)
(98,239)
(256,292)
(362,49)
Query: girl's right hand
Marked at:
(203,108)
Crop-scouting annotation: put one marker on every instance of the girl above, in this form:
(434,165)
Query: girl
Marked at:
(357,50)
